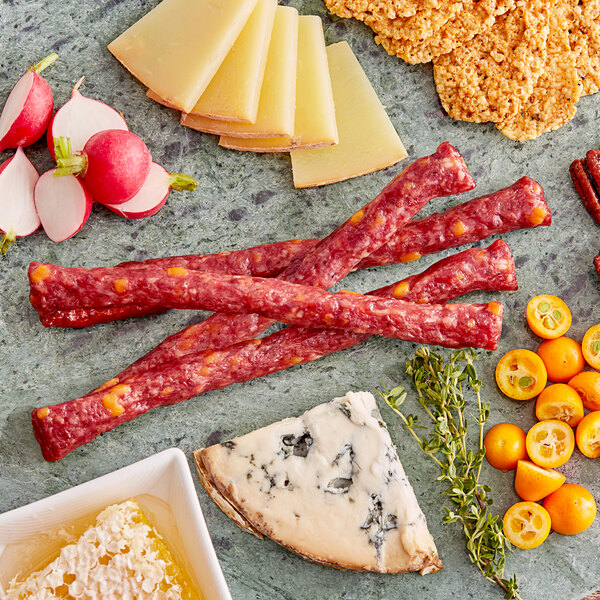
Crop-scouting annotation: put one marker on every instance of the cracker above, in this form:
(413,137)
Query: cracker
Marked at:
(418,27)
(474,17)
(557,90)
(398,19)
(490,78)
(584,38)
(359,9)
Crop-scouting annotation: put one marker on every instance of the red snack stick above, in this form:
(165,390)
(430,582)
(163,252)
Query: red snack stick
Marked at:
(518,206)
(61,428)
(521,205)
(585,174)
(452,326)
(597,264)
(266,260)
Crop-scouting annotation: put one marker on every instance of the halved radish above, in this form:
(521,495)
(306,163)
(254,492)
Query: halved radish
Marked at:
(113,164)
(28,108)
(80,118)
(63,205)
(154,193)
(18,217)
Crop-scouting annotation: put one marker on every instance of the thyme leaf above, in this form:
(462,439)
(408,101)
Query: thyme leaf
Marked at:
(439,387)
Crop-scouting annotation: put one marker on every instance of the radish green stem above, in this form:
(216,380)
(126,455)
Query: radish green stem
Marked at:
(182,182)
(44,63)
(5,242)
(62,147)
(67,163)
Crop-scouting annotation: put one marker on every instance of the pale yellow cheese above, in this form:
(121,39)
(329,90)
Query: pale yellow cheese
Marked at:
(233,93)
(177,47)
(368,140)
(314,120)
(277,102)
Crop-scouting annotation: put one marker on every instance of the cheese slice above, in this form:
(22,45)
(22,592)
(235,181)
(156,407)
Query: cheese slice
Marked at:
(314,120)
(121,556)
(177,47)
(276,106)
(368,140)
(327,485)
(233,93)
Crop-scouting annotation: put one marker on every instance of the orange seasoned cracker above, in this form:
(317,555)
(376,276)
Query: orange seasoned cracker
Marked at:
(474,17)
(398,19)
(584,38)
(552,102)
(491,77)
(418,27)
(391,9)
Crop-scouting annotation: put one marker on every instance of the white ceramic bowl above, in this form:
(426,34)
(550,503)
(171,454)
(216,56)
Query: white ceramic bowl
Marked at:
(165,475)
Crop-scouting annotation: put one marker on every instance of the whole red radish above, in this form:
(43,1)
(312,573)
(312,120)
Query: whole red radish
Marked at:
(18,217)
(28,108)
(80,118)
(63,205)
(113,165)
(154,193)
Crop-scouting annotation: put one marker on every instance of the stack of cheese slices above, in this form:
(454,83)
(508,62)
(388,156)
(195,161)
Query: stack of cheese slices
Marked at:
(260,76)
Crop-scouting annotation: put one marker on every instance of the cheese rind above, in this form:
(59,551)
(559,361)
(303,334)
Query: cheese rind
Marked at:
(121,556)
(275,117)
(368,140)
(177,47)
(327,485)
(314,119)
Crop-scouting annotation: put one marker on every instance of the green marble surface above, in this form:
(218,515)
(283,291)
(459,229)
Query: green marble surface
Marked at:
(243,200)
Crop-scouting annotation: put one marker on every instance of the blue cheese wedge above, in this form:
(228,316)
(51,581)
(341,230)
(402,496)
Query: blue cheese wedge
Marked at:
(327,485)
(120,557)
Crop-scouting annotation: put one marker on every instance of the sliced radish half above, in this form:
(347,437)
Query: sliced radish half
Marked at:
(63,205)
(154,193)
(18,217)
(80,118)
(28,108)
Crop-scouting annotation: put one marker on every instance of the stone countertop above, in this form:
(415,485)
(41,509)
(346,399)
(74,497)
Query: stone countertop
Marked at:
(244,200)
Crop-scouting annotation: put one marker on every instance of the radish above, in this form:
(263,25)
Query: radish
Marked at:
(18,217)
(80,118)
(154,193)
(113,165)
(63,205)
(28,108)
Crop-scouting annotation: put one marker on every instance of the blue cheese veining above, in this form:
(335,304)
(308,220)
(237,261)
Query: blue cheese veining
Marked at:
(328,485)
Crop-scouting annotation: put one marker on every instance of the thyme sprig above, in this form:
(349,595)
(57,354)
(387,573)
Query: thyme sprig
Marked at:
(440,392)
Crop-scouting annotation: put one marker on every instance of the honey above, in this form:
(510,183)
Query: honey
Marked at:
(32,555)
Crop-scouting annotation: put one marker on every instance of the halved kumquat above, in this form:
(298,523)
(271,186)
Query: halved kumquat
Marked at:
(533,483)
(572,509)
(505,446)
(521,374)
(550,443)
(591,346)
(559,401)
(526,524)
(548,316)
(587,435)
(587,385)
(562,358)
